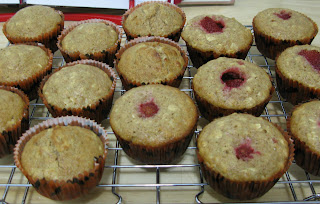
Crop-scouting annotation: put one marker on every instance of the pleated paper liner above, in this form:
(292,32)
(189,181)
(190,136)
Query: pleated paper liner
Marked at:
(97,111)
(271,47)
(128,83)
(48,39)
(30,85)
(106,55)
(10,136)
(304,156)
(244,190)
(80,184)
(175,36)
(294,91)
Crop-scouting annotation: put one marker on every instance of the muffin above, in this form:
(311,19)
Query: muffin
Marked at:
(243,156)
(90,39)
(154,123)
(14,117)
(303,125)
(35,24)
(211,36)
(83,88)
(63,158)
(297,73)
(276,29)
(154,18)
(151,60)
(24,65)
(225,85)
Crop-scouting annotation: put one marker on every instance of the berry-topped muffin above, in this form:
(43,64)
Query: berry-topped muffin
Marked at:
(304,127)
(298,73)
(154,123)
(243,156)
(211,36)
(276,29)
(226,85)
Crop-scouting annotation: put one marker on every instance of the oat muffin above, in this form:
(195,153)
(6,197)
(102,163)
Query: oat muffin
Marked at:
(276,29)
(298,73)
(304,127)
(151,60)
(211,36)
(35,24)
(154,123)
(84,88)
(154,18)
(243,156)
(90,39)
(14,117)
(24,65)
(63,158)
(225,85)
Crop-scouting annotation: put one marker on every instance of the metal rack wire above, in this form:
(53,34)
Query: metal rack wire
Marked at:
(276,111)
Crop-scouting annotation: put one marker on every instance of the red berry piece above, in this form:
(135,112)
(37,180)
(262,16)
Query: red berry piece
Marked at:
(148,109)
(233,78)
(313,57)
(212,26)
(244,151)
(240,62)
(284,15)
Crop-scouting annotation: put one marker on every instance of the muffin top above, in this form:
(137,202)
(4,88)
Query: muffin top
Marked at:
(285,24)
(11,109)
(89,38)
(217,33)
(61,152)
(76,86)
(33,21)
(154,18)
(151,62)
(242,147)
(305,124)
(301,63)
(153,115)
(232,83)
(20,62)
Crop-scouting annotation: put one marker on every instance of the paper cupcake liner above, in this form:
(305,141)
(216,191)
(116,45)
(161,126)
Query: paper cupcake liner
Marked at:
(303,155)
(211,111)
(80,184)
(31,84)
(98,111)
(10,136)
(247,189)
(48,39)
(294,91)
(175,36)
(128,84)
(199,58)
(271,47)
(106,55)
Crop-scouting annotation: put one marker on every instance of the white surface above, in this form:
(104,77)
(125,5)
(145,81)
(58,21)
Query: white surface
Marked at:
(136,2)
(118,4)
(10,2)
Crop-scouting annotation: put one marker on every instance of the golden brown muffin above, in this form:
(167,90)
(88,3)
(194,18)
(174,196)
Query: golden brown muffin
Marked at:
(276,29)
(90,39)
(24,65)
(211,36)
(225,85)
(154,18)
(83,88)
(243,156)
(154,123)
(14,117)
(151,60)
(63,158)
(35,24)
(298,73)
(304,127)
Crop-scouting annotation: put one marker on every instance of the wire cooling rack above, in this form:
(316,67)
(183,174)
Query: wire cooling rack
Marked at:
(126,181)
